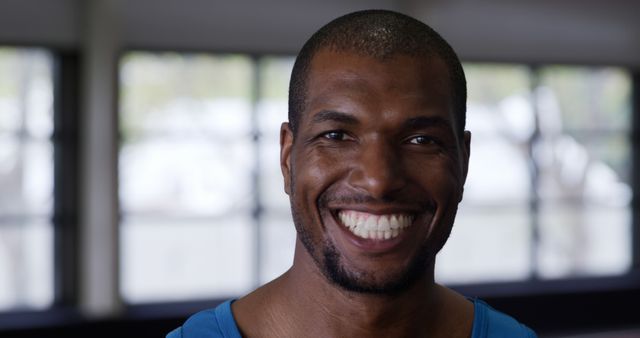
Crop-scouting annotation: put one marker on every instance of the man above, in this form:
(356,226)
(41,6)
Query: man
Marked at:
(374,159)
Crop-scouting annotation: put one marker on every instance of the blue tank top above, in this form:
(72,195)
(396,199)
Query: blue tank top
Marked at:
(219,323)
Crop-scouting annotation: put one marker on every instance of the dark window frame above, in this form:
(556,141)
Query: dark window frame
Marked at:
(66,177)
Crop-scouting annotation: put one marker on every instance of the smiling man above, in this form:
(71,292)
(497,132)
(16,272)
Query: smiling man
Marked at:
(374,159)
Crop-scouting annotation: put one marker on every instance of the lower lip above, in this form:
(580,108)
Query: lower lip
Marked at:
(375,246)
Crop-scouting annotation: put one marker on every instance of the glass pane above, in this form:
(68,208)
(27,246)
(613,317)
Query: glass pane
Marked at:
(273,197)
(593,167)
(186,176)
(26,92)
(584,239)
(487,245)
(584,98)
(278,233)
(26,176)
(186,166)
(185,93)
(278,243)
(491,238)
(26,264)
(272,111)
(26,179)
(499,101)
(501,120)
(487,186)
(173,259)
(584,163)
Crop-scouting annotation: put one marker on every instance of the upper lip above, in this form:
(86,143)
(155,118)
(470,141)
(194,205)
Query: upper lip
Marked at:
(377,210)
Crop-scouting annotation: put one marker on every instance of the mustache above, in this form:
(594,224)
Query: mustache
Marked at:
(352,198)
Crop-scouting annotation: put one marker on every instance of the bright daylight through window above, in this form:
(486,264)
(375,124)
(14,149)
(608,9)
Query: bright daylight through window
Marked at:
(26,178)
(204,214)
(186,163)
(549,192)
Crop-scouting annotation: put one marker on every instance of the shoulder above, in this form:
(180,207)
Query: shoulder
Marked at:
(491,323)
(216,322)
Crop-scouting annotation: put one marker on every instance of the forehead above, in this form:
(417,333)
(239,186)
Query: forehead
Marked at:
(400,82)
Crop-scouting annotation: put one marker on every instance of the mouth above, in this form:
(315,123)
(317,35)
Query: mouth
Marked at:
(379,227)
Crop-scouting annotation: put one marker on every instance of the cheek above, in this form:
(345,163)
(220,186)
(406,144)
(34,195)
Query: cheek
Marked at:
(318,167)
(313,174)
(446,180)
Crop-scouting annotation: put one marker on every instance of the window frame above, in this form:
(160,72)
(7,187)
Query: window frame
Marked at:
(66,177)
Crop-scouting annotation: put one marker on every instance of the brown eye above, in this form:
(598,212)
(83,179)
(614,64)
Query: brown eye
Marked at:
(421,139)
(335,135)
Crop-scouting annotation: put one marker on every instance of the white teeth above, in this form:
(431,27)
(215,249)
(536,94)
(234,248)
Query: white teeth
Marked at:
(363,233)
(383,222)
(372,226)
(394,222)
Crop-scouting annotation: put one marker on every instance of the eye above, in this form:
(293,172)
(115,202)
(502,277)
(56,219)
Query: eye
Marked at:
(335,135)
(421,140)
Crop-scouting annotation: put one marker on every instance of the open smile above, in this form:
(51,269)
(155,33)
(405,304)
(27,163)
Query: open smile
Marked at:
(373,226)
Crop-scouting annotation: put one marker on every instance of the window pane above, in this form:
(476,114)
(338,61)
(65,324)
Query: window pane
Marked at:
(186,163)
(499,101)
(26,91)
(185,93)
(186,176)
(277,230)
(584,157)
(585,98)
(272,111)
(487,245)
(176,259)
(279,240)
(26,178)
(491,240)
(584,239)
(26,264)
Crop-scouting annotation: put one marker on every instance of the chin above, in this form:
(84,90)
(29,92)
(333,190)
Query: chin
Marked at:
(393,282)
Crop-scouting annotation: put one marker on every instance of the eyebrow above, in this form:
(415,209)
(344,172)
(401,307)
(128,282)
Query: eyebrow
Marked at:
(335,116)
(419,122)
(422,122)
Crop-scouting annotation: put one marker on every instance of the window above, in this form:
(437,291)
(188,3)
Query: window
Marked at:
(584,168)
(491,239)
(26,178)
(186,168)
(204,214)
(278,235)
(549,190)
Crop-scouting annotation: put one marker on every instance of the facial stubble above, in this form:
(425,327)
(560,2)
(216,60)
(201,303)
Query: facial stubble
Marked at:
(331,262)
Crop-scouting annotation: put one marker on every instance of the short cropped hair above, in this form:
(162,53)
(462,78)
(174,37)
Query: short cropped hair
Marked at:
(378,34)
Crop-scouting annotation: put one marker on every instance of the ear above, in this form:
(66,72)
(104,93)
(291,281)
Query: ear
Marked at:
(286,142)
(465,154)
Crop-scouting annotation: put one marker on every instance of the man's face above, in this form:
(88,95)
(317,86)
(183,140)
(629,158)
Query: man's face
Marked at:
(376,170)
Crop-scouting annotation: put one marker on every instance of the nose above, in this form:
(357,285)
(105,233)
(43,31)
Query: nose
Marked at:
(377,170)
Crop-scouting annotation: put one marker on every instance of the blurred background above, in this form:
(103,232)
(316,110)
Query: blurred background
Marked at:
(140,180)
